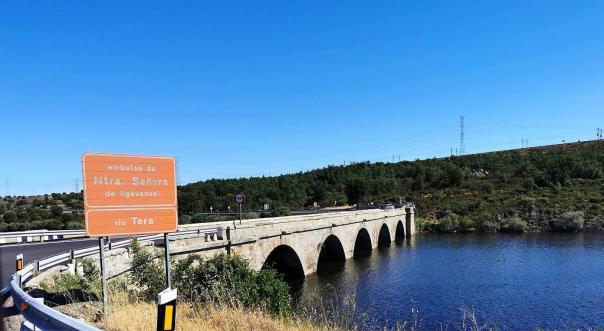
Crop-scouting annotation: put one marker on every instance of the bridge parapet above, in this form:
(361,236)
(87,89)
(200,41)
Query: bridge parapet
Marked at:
(279,226)
(311,237)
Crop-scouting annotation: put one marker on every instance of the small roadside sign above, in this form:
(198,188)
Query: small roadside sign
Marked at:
(239,197)
(129,194)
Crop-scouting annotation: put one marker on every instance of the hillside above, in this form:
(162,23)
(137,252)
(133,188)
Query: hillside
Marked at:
(517,190)
(558,187)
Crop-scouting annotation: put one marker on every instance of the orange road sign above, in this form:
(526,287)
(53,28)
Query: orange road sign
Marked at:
(129,194)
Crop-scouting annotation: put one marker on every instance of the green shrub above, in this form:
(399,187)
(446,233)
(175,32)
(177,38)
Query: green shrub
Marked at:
(513,224)
(224,280)
(66,282)
(568,221)
(89,282)
(184,219)
(423,225)
(454,175)
(147,271)
(250,215)
(449,223)
(488,226)
(198,218)
(487,188)
(230,280)
(466,224)
(280,210)
(91,272)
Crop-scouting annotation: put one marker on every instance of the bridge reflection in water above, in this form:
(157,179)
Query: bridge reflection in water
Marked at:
(334,253)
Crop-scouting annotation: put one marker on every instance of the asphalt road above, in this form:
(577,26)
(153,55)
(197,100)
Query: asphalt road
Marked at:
(35,251)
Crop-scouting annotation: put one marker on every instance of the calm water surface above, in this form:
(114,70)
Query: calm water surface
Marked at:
(513,281)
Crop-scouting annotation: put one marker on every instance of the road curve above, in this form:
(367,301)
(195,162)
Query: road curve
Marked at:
(36,251)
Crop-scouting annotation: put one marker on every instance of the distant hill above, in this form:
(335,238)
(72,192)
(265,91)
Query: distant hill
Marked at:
(539,188)
(54,211)
(556,187)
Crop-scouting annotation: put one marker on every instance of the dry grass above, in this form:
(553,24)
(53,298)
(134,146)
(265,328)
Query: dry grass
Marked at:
(129,315)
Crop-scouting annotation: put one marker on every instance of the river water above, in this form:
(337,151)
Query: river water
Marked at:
(511,281)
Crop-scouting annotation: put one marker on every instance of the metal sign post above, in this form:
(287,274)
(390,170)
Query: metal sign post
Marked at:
(240,198)
(167,259)
(103,274)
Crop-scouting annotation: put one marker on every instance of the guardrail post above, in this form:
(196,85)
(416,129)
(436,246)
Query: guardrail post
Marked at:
(37,265)
(167,260)
(18,279)
(73,261)
(103,274)
(228,235)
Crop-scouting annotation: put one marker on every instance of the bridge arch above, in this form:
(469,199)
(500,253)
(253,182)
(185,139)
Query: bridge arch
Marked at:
(332,250)
(285,261)
(362,241)
(384,238)
(400,232)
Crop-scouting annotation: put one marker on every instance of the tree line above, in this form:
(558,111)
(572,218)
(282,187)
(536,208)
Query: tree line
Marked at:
(481,191)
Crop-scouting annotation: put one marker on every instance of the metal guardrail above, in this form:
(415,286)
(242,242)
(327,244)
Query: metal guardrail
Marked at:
(51,235)
(39,235)
(4,294)
(40,316)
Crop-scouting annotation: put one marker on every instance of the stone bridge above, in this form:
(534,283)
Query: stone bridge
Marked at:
(295,245)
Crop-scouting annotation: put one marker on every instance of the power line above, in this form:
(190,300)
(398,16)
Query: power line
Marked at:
(599,133)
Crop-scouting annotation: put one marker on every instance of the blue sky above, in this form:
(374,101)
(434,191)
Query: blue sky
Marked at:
(237,89)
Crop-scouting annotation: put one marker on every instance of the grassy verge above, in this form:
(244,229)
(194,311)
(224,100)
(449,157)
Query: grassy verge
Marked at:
(130,314)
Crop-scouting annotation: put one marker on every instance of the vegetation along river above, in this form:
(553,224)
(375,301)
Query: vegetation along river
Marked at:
(523,281)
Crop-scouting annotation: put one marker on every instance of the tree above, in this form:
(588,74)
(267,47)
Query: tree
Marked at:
(57,211)
(67,217)
(454,175)
(356,190)
(10,217)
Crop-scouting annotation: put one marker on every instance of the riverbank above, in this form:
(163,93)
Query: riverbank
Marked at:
(571,221)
